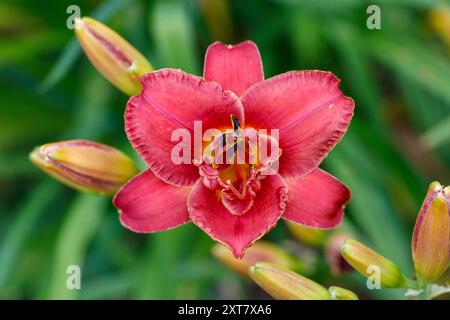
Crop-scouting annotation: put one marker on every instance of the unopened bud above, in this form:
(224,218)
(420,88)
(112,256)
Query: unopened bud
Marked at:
(431,237)
(85,165)
(284,284)
(365,260)
(338,293)
(116,59)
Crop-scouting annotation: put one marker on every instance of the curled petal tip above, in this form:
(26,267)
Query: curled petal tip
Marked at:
(235,67)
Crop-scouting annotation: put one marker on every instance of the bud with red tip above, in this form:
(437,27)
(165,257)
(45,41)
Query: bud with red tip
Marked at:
(431,237)
(85,165)
(113,56)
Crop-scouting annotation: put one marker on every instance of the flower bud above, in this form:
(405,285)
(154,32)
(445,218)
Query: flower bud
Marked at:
(283,284)
(114,57)
(259,251)
(368,262)
(84,165)
(431,237)
(337,293)
(307,235)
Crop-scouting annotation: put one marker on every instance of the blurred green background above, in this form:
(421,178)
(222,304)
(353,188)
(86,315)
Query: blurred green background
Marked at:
(398,141)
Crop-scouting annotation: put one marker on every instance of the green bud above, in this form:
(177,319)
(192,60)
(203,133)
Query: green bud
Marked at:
(284,284)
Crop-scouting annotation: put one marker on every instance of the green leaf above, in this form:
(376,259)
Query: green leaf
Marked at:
(158,278)
(371,207)
(28,213)
(72,50)
(349,44)
(24,48)
(90,111)
(79,228)
(170,25)
(109,286)
(439,134)
(412,60)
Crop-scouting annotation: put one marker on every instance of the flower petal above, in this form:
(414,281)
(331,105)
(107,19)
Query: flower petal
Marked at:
(147,204)
(238,206)
(310,112)
(172,99)
(238,232)
(316,200)
(236,68)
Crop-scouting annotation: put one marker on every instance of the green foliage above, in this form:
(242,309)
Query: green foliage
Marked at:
(398,142)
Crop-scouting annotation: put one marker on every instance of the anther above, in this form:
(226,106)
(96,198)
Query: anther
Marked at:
(234,122)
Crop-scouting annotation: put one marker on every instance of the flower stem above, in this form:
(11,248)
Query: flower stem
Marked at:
(410,284)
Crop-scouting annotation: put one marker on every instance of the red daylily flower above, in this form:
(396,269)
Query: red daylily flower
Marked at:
(307,107)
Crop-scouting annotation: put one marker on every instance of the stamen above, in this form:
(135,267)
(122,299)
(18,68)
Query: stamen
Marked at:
(238,194)
(232,150)
(234,122)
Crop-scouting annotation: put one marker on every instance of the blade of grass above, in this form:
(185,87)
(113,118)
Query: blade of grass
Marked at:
(18,232)
(216,14)
(158,277)
(20,49)
(90,111)
(422,66)
(370,206)
(373,213)
(344,5)
(438,135)
(170,25)
(109,287)
(359,77)
(79,227)
(72,50)
(307,39)
(425,112)
(91,119)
